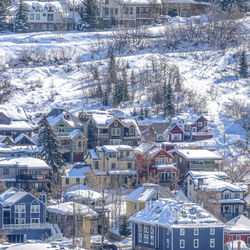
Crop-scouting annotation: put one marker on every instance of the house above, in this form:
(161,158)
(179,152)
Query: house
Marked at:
(194,179)
(71,218)
(172,224)
(23,216)
(6,140)
(19,151)
(75,175)
(117,162)
(175,133)
(107,129)
(129,13)
(70,132)
(13,123)
(197,128)
(25,172)
(156,132)
(219,196)
(24,140)
(161,167)
(137,199)
(238,229)
(236,245)
(196,159)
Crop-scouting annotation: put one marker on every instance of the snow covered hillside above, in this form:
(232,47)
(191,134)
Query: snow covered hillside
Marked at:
(47,80)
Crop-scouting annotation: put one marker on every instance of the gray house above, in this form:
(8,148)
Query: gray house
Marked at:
(171,224)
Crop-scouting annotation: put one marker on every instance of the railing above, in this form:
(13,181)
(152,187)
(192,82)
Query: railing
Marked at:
(27,226)
(64,147)
(194,166)
(62,134)
(202,133)
(103,135)
(32,177)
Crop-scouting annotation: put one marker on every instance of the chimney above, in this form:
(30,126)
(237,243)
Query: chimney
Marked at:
(43,198)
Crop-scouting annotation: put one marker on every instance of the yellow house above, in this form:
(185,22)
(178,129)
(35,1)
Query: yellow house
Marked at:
(148,192)
(117,162)
(71,133)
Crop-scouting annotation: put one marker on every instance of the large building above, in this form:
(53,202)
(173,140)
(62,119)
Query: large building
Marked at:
(171,224)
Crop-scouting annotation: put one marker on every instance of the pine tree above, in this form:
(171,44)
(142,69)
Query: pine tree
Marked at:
(99,92)
(169,101)
(50,152)
(3,15)
(105,100)
(133,84)
(21,18)
(141,116)
(243,65)
(178,86)
(124,227)
(90,13)
(125,95)
(146,112)
(227,5)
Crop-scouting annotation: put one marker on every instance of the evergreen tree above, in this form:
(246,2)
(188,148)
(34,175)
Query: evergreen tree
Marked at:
(124,227)
(50,152)
(178,86)
(3,14)
(90,13)
(227,5)
(21,18)
(134,113)
(133,84)
(141,115)
(99,92)
(146,112)
(125,95)
(117,93)
(105,100)
(243,65)
(169,101)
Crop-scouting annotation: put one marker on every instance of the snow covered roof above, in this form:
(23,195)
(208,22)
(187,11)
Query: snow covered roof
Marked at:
(122,172)
(146,191)
(13,114)
(3,137)
(69,208)
(216,185)
(116,148)
(54,119)
(93,154)
(207,174)
(79,170)
(138,2)
(44,6)
(131,122)
(16,125)
(238,224)
(198,154)
(233,245)
(102,120)
(161,127)
(166,166)
(18,149)
(180,196)
(144,147)
(173,213)
(21,136)
(24,162)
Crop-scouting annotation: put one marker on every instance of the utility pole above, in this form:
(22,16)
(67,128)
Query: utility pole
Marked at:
(102,232)
(73,231)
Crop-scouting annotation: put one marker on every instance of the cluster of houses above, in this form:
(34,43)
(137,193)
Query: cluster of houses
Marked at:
(177,197)
(69,14)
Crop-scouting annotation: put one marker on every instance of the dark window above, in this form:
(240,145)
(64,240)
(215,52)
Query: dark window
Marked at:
(77,180)
(96,164)
(113,166)
(129,165)
(6,171)
(67,181)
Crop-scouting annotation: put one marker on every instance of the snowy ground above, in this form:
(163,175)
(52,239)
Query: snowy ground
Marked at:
(201,70)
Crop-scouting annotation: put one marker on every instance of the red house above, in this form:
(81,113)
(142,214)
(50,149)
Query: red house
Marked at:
(238,229)
(161,169)
(197,129)
(175,133)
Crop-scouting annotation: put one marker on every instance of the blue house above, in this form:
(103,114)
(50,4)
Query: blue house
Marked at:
(23,216)
(172,224)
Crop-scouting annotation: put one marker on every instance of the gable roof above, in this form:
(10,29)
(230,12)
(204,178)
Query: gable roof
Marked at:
(145,147)
(13,114)
(21,136)
(102,119)
(172,213)
(146,191)
(197,154)
(238,224)
(160,128)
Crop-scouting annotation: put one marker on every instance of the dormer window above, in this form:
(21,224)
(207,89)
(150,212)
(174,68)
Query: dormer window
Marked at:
(115,123)
(131,130)
(199,124)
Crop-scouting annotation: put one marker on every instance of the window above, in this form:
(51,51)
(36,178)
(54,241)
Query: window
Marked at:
(96,164)
(17,209)
(35,209)
(227,196)
(238,238)
(92,230)
(145,237)
(37,16)
(115,131)
(212,231)
(182,243)
(6,171)
(67,181)
(131,11)
(34,221)
(196,243)
(127,153)
(140,233)
(132,129)
(167,243)
(112,155)
(199,124)
(167,232)
(129,165)
(152,236)
(22,221)
(135,207)
(50,17)
(113,165)
(182,231)
(50,10)
(196,231)
(106,10)
(77,180)
(23,208)
(212,243)
(79,144)
(31,16)
(236,196)
(176,137)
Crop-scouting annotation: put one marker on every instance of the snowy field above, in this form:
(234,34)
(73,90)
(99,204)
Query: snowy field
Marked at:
(67,84)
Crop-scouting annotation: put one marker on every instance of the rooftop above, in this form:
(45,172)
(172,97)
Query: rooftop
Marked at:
(198,154)
(238,224)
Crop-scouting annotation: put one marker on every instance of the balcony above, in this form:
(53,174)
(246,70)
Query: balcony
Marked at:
(30,177)
(11,227)
(103,135)
(202,166)
(64,147)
